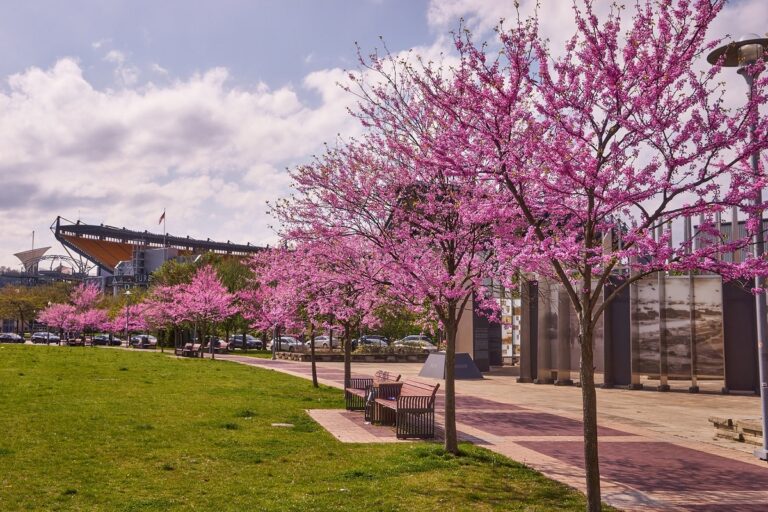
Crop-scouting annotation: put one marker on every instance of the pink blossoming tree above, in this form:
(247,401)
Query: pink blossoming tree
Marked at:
(426,226)
(204,302)
(599,150)
(616,138)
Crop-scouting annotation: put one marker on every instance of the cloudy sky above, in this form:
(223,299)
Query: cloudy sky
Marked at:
(112,111)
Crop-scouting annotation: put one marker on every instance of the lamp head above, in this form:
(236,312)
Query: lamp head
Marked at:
(747,50)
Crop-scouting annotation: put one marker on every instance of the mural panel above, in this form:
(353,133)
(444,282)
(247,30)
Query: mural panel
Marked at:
(646,313)
(709,327)
(677,314)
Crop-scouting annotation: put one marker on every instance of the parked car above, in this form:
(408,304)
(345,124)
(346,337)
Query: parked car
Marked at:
(414,343)
(143,341)
(251,343)
(44,337)
(10,337)
(219,345)
(370,340)
(416,337)
(104,339)
(287,344)
(324,342)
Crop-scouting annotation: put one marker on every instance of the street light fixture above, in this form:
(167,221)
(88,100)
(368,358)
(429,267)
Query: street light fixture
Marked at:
(744,54)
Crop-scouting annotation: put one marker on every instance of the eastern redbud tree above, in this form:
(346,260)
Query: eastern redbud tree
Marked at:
(622,132)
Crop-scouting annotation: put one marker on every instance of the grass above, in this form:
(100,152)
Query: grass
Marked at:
(100,429)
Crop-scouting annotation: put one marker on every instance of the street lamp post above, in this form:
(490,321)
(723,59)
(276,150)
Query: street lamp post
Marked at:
(127,308)
(48,330)
(744,54)
(274,342)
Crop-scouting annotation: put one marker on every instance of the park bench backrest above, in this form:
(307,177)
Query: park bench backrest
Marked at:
(417,388)
(382,376)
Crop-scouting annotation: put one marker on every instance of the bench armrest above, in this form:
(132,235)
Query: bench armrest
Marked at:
(389,390)
(415,403)
(360,383)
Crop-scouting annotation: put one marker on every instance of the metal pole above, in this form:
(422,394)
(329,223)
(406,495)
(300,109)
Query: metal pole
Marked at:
(760,304)
(127,339)
(274,342)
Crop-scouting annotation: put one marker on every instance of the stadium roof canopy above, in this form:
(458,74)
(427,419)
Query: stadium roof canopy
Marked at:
(31,257)
(107,245)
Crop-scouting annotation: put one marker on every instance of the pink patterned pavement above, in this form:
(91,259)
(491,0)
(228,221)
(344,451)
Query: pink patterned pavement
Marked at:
(638,471)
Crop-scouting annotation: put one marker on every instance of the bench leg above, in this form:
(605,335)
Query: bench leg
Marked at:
(354,402)
(384,415)
(418,424)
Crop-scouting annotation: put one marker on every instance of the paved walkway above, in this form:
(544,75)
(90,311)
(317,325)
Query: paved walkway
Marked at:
(656,450)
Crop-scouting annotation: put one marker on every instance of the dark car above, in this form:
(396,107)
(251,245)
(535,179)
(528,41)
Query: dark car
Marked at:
(143,341)
(44,337)
(370,340)
(10,337)
(104,339)
(251,343)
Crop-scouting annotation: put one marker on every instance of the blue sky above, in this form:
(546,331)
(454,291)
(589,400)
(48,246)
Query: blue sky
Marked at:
(112,111)
(272,41)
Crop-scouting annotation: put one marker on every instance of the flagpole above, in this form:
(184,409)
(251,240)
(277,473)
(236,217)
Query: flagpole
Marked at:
(165,239)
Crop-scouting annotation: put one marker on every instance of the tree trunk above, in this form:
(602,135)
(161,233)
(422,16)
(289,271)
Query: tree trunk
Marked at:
(347,356)
(589,411)
(245,342)
(312,354)
(210,342)
(451,439)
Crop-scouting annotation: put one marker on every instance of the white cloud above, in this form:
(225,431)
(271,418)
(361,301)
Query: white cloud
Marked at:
(101,42)
(158,69)
(115,57)
(209,152)
(126,74)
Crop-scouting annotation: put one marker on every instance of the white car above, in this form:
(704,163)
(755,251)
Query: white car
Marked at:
(287,344)
(324,342)
(414,343)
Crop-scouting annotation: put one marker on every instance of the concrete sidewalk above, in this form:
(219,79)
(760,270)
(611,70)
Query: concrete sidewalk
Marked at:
(657,450)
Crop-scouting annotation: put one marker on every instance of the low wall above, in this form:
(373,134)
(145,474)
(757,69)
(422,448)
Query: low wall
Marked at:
(355,358)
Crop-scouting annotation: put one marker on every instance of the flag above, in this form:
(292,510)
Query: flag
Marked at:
(162,218)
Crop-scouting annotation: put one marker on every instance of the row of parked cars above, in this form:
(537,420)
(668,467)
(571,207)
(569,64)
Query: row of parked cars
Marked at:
(284,343)
(96,339)
(411,342)
(10,337)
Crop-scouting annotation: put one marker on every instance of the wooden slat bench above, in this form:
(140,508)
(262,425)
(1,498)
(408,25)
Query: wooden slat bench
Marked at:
(190,350)
(410,405)
(356,394)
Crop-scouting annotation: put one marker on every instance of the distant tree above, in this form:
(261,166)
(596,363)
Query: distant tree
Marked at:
(173,272)
(22,303)
(204,302)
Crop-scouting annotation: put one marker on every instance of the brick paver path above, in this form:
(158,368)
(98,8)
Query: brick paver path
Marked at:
(638,471)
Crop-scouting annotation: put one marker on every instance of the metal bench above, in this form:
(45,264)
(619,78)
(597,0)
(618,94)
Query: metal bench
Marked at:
(409,405)
(356,394)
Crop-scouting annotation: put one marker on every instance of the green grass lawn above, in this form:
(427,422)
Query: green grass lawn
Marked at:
(101,429)
(263,354)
